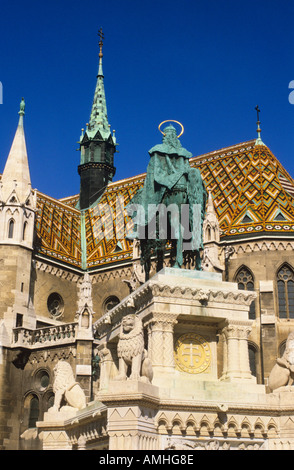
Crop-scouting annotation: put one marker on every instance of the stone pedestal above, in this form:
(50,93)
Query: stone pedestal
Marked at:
(183,313)
(131,411)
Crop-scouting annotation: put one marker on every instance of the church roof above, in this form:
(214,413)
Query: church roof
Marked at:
(253,195)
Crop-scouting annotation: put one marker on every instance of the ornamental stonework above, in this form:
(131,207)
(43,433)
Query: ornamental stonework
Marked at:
(192,354)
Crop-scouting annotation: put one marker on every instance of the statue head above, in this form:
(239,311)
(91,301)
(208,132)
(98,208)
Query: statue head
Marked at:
(128,322)
(170,137)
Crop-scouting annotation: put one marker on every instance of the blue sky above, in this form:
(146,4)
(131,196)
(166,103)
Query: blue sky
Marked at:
(205,64)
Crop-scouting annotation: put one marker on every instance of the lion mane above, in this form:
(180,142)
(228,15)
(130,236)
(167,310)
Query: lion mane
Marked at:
(64,378)
(65,386)
(131,351)
(131,343)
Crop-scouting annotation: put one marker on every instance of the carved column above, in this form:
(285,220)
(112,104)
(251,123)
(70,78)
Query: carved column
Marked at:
(244,352)
(236,356)
(233,358)
(161,339)
(168,344)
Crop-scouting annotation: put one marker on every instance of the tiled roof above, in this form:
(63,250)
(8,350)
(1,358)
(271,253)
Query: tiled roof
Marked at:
(58,231)
(251,190)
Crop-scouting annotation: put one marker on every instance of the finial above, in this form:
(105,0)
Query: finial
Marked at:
(22,107)
(101,36)
(258,140)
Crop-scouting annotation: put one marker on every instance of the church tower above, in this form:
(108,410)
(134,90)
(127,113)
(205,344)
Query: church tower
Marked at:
(17,216)
(97,146)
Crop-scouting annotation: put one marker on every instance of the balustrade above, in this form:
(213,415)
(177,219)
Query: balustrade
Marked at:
(56,334)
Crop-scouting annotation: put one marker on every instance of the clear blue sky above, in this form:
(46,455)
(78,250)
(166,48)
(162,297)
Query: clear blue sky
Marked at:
(204,63)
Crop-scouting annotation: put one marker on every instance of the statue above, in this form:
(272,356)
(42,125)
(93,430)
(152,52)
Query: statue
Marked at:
(282,373)
(65,387)
(170,207)
(131,352)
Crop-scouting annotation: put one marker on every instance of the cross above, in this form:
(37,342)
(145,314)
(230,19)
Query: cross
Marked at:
(192,352)
(258,111)
(101,35)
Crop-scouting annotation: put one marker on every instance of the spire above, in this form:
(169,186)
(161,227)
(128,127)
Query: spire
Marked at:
(97,146)
(98,119)
(258,140)
(16,174)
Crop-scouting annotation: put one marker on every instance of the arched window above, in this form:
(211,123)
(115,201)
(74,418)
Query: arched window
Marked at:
(24,230)
(285,284)
(245,281)
(10,228)
(34,412)
(110,303)
(252,359)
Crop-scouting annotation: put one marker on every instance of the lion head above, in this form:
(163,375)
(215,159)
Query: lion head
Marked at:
(63,376)
(131,340)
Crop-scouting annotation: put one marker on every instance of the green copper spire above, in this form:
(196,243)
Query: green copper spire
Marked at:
(97,146)
(98,118)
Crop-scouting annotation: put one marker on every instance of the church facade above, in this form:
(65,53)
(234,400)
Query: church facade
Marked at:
(69,276)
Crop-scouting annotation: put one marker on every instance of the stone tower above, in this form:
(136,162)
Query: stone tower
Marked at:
(17,216)
(97,146)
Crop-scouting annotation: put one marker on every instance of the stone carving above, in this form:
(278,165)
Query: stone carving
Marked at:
(282,373)
(131,352)
(192,353)
(210,445)
(65,387)
(85,311)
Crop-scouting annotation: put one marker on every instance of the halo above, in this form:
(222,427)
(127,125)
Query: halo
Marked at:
(172,120)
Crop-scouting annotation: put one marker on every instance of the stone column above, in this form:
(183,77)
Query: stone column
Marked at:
(236,355)
(82,443)
(168,349)
(161,340)
(244,353)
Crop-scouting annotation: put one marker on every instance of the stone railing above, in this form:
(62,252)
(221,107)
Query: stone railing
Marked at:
(50,335)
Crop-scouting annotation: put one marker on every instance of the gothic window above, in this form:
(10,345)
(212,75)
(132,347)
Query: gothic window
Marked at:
(10,228)
(55,305)
(110,303)
(34,412)
(252,359)
(245,281)
(285,285)
(42,380)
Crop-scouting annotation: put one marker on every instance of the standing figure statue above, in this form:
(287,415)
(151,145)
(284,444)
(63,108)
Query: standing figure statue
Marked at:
(170,207)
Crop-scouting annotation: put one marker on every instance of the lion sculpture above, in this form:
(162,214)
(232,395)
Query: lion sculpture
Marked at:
(282,374)
(131,352)
(66,387)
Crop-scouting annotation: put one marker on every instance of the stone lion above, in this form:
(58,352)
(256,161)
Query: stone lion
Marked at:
(282,373)
(131,352)
(66,387)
